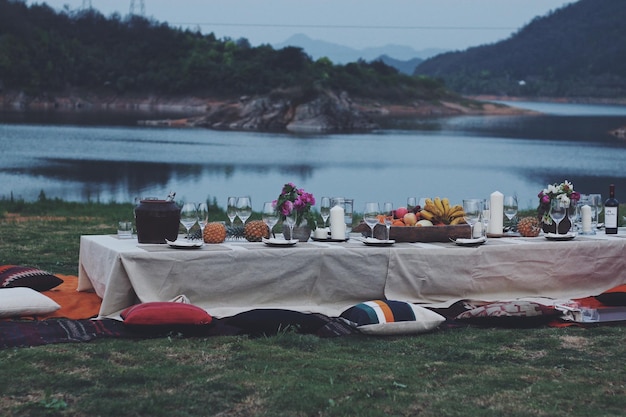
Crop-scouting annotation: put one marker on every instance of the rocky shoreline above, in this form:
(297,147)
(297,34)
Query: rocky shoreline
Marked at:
(285,111)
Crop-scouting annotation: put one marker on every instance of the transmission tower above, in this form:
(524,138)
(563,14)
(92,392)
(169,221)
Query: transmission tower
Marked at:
(142,7)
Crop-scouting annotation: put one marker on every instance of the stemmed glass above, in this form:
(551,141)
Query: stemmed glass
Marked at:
(244,208)
(370,215)
(411,202)
(325,209)
(203,216)
(486,215)
(510,208)
(473,209)
(572,213)
(598,204)
(189,216)
(388,213)
(290,220)
(270,215)
(558,210)
(231,209)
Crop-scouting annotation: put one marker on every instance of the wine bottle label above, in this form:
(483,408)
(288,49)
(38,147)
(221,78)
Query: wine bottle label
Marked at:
(610,217)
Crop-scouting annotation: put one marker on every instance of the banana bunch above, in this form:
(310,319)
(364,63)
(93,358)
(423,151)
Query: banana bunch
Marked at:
(438,210)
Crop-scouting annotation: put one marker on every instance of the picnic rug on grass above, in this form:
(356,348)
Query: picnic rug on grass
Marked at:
(74,321)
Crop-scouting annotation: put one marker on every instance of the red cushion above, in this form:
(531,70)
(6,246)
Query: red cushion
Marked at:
(165,313)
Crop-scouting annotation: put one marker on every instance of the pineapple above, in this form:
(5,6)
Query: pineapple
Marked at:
(529,227)
(214,233)
(256,230)
(235,232)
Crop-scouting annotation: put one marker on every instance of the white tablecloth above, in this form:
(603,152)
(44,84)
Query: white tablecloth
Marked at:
(327,278)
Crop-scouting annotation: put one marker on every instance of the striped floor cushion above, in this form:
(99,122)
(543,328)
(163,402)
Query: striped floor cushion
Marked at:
(390,317)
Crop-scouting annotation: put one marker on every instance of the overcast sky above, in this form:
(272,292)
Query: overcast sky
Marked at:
(421,24)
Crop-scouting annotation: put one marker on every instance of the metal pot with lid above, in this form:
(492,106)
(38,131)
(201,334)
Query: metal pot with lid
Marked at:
(157,220)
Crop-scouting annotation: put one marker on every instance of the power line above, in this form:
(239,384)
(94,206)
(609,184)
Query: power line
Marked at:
(317,26)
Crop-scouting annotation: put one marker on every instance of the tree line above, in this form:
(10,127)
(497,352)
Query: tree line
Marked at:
(576,51)
(43,51)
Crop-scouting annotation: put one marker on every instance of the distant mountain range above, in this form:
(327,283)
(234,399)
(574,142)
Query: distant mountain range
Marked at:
(404,58)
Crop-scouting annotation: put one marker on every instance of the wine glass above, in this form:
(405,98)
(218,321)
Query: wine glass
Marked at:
(486,215)
(584,200)
(510,208)
(411,202)
(572,213)
(370,215)
(290,220)
(558,210)
(203,216)
(473,209)
(269,215)
(231,209)
(388,213)
(325,209)
(189,216)
(598,203)
(244,208)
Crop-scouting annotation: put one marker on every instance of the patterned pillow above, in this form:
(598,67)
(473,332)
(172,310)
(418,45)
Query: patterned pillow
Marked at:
(165,313)
(390,317)
(21,302)
(517,313)
(12,276)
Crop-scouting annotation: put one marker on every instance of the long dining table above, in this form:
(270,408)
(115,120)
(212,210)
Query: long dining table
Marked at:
(329,277)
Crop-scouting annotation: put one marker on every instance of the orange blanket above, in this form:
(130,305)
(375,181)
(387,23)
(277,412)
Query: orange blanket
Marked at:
(74,304)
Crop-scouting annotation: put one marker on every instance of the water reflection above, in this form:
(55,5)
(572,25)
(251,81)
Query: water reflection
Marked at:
(461,157)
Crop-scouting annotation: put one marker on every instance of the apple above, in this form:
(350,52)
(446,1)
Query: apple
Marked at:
(400,212)
(410,219)
(424,222)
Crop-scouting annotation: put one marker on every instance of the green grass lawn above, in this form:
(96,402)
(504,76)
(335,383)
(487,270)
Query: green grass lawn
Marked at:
(452,372)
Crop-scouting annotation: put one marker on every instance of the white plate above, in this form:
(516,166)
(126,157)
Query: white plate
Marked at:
(279,242)
(471,242)
(185,244)
(370,241)
(554,236)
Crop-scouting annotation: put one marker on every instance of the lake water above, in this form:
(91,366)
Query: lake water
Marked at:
(96,157)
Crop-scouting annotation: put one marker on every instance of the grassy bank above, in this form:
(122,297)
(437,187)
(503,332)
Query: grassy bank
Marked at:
(451,372)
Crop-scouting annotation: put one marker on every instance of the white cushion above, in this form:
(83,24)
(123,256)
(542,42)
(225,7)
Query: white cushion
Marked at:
(23,301)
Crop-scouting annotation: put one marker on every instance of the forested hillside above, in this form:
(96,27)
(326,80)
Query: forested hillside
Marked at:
(46,52)
(578,50)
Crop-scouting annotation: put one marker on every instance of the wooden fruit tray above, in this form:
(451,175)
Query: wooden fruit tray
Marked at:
(417,234)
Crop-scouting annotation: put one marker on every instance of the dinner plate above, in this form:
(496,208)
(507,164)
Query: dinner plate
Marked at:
(328,239)
(370,241)
(185,244)
(554,236)
(470,242)
(279,242)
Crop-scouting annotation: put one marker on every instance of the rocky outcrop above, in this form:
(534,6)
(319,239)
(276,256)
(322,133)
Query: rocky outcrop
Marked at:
(321,112)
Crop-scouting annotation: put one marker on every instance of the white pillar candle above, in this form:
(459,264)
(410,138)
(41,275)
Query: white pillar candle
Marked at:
(337,223)
(585,216)
(496,213)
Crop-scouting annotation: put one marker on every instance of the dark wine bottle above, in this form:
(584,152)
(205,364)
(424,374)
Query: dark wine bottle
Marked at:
(611,212)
